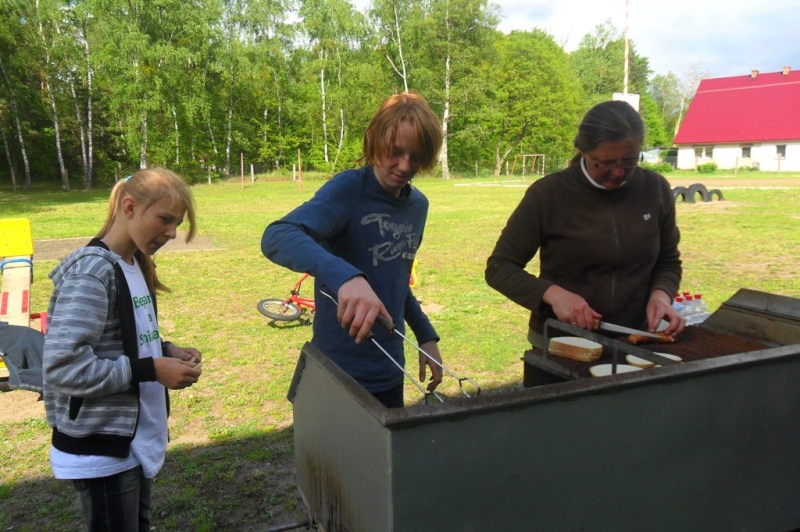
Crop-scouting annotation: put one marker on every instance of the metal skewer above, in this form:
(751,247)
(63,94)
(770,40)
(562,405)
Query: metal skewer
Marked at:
(389,326)
(371,338)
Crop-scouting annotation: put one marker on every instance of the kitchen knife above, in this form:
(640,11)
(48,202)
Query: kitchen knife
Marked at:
(620,329)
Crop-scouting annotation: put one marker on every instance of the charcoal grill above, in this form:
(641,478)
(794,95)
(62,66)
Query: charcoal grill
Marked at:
(709,444)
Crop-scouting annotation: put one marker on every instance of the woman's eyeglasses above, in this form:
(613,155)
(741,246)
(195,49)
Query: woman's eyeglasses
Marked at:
(626,164)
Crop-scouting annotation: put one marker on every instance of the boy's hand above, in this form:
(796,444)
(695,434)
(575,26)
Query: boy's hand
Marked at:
(432,348)
(359,306)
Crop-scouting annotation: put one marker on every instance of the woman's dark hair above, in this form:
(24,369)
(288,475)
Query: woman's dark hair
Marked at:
(608,122)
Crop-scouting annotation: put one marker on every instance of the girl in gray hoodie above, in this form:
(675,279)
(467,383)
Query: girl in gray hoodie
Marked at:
(106,369)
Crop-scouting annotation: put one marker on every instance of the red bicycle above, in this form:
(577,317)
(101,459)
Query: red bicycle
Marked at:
(289,309)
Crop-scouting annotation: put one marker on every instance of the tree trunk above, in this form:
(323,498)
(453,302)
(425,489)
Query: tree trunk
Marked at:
(398,41)
(500,159)
(81,132)
(89,118)
(229,139)
(229,127)
(445,120)
(324,113)
(53,105)
(11,170)
(13,102)
(177,137)
(143,143)
(400,48)
(341,140)
(280,127)
(56,126)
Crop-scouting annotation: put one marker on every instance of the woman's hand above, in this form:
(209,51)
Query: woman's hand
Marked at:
(570,307)
(659,307)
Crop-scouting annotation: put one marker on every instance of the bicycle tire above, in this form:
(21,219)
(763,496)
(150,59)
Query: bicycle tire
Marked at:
(279,309)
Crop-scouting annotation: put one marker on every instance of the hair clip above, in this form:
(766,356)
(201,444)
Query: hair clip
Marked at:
(128,178)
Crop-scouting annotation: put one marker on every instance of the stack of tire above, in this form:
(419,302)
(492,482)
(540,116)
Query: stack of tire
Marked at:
(689,194)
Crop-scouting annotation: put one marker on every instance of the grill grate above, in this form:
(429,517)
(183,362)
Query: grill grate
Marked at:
(695,343)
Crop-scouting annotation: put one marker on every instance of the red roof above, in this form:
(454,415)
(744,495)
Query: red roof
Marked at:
(743,109)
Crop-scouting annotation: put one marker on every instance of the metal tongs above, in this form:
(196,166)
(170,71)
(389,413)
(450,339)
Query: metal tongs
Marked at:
(389,326)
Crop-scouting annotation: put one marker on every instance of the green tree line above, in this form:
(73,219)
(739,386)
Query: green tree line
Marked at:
(91,90)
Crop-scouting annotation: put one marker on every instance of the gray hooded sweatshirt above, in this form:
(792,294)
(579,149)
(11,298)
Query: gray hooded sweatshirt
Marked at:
(91,369)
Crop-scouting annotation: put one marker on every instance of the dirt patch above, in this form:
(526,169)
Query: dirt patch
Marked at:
(57,249)
(18,405)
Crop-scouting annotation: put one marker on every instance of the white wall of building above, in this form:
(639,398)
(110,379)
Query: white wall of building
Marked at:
(729,156)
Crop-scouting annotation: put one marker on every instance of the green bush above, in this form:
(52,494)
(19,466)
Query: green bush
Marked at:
(661,168)
(707,168)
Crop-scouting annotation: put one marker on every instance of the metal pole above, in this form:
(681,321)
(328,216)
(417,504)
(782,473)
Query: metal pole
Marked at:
(625,84)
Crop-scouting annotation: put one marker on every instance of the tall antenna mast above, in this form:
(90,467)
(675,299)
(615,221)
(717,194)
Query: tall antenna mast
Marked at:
(625,84)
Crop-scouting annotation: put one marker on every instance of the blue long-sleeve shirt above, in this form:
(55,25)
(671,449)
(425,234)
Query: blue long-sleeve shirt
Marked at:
(352,227)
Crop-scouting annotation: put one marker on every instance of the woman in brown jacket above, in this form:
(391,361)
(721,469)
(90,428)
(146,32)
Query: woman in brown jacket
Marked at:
(605,232)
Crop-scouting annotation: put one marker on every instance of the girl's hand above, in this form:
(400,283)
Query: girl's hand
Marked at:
(188,354)
(176,374)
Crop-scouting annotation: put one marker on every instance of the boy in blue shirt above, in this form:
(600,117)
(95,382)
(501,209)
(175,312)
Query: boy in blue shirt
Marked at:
(358,237)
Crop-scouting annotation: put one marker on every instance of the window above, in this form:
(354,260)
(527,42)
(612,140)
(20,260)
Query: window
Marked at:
(781,148)
(704,152)
(746,152)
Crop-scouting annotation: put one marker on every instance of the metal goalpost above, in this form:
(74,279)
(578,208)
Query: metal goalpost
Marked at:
(536,163)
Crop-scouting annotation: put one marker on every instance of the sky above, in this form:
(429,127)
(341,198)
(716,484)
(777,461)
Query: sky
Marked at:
(725,37)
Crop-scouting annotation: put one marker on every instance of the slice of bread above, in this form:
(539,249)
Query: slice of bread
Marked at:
(642,363)
(604,370)
(575,348)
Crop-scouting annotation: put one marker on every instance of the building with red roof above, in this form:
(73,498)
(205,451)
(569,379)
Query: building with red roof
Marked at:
(743,122)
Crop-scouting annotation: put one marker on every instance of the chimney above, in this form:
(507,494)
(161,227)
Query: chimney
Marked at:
(753,74)
(786,70)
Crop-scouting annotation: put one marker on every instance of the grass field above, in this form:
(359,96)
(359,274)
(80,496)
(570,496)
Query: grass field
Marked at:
(230,463)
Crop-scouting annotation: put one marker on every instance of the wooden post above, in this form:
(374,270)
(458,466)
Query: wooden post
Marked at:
(252,175)
(299,169)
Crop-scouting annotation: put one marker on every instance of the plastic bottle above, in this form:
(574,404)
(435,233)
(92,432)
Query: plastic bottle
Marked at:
(699,304)
(688,306)
(678,304)
(701,310)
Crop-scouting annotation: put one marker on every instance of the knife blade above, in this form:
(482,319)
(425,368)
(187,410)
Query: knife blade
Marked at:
(620,329)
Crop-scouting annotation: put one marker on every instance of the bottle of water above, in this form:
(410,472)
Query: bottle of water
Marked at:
(678,304)
(699,304)
(701,310)
(688,306)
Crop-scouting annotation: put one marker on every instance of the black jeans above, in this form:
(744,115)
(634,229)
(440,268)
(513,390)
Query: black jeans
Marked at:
(119,503)
(392,398)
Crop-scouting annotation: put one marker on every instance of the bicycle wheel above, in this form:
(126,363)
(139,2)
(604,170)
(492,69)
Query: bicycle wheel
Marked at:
(279,309)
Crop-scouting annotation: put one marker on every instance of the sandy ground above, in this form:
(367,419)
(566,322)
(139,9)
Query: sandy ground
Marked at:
(19,405)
